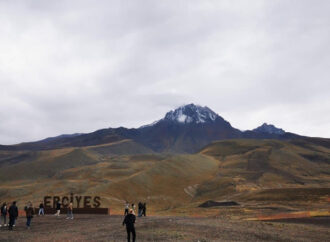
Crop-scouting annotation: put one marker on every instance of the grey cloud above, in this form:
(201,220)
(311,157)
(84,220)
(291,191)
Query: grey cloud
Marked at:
(77,66)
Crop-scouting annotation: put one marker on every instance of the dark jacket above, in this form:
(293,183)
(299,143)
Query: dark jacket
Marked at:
(41,205)
(4,210)
(129,220)
(29,212)
(13,211)
(58,206)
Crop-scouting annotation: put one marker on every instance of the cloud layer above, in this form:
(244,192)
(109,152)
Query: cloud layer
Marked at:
(78,66)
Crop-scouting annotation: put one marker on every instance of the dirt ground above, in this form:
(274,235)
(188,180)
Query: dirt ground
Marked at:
(166,228)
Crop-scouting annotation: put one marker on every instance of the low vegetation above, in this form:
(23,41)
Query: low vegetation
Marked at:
(235,170)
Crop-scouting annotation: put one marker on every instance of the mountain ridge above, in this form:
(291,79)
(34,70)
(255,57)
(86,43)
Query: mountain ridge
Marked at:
(185,129)
(269,128)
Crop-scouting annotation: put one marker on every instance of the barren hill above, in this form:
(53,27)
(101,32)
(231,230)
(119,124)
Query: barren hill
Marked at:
(240,170)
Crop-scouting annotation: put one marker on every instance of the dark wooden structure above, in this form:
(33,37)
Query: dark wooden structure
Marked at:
(79,211)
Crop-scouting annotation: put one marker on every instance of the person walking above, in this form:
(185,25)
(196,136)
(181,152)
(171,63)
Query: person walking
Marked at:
(13,214)
(126,208)
(4,212)
(41,209)
(70,211)
(29,210)
(58,209)
(129,222)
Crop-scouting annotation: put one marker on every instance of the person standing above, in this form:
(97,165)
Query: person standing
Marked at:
(13,214)
(58,209)
(41,209)
(70,211)
(144,209)
(140,207)
(133,208)
(29,214)
(129,222)
(4,211)
(126,208)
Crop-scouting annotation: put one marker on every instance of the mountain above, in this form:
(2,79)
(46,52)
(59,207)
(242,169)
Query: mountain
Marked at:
(269,129)
(186,129)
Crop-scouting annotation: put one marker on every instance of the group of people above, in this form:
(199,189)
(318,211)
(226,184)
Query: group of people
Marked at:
(130,217)
(12,211)
(69,207)
(142,209)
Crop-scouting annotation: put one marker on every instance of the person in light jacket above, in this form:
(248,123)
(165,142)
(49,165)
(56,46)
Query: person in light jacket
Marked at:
(126,208)
(70,211)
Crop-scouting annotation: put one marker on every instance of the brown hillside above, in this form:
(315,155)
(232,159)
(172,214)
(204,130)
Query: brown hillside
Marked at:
(240,170)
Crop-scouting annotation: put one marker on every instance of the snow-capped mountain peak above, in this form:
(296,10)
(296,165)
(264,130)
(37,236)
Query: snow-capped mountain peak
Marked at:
(191,113)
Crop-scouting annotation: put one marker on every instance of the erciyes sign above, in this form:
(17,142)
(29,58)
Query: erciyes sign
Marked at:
(77,201)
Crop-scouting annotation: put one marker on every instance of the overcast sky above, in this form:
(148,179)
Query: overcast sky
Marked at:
(79,66)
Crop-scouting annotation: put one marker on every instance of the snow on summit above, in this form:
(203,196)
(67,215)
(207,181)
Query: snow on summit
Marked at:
(191,113)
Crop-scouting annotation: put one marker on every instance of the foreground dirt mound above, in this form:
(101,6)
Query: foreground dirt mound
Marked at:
(211,203)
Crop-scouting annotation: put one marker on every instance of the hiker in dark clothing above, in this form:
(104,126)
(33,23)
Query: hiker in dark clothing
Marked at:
(13,214)
(4,211)
(144,209)
(140,208)
(29,214)
(129,221)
